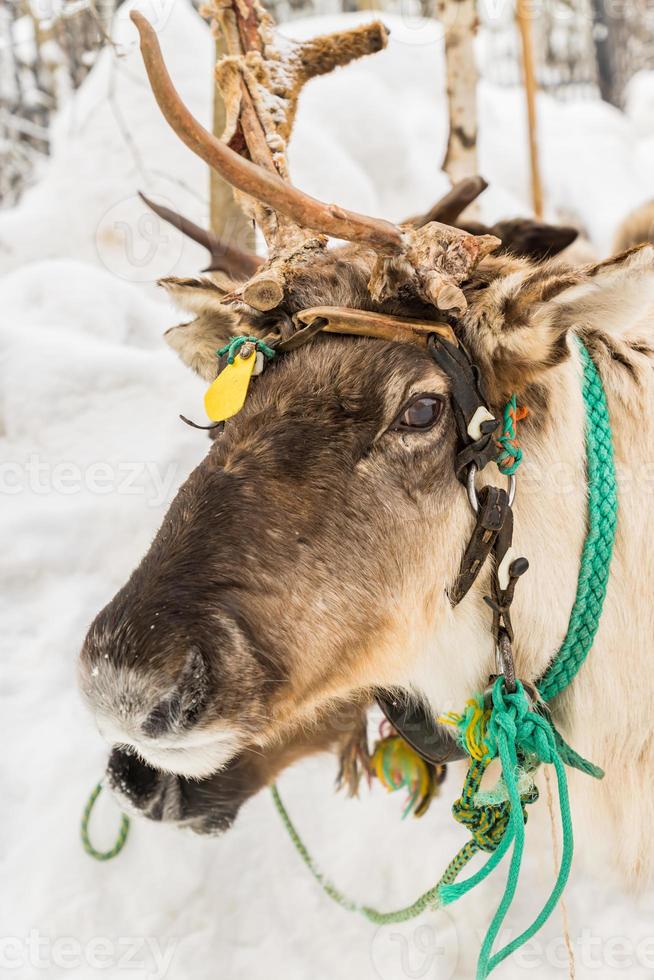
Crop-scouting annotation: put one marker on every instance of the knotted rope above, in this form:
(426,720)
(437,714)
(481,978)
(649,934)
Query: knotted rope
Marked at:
(522,739)
(234,345)
(510,455)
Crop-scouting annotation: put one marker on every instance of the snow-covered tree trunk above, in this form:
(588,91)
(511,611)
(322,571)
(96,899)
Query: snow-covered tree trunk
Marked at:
(459,20)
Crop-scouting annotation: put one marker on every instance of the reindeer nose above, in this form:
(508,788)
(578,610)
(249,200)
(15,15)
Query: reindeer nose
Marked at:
(152,689)
(137,694)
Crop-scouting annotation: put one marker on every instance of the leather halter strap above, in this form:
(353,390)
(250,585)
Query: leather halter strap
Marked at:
(475,424)
(433,742)
(493,515)
(476,428)
(493,533)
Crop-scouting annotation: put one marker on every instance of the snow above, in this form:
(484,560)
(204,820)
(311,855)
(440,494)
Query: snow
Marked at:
(91,452)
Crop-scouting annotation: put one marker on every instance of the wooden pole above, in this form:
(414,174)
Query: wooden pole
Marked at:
(529,77)
(226,218)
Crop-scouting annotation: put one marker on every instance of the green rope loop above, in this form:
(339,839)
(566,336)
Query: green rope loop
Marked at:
(232,348)
(522,739)
(123,831)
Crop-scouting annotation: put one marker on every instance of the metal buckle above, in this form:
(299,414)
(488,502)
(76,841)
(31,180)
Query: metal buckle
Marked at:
(471,489)
(504,667)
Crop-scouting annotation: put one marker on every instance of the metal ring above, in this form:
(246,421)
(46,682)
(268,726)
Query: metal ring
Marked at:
(472,489)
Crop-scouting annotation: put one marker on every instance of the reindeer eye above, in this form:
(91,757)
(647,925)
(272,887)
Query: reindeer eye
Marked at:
(421,413)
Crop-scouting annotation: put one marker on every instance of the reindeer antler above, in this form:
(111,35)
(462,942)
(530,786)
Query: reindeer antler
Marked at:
(262,184)
(449,207)
(260,86)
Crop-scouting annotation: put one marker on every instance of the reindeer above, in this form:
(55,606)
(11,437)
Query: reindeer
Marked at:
(310,559)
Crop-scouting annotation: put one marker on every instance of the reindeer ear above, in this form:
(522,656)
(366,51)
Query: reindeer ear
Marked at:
(196,342)
(612,296)
(518,327)
(534,239)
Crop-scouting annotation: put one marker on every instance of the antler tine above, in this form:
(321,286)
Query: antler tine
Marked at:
(224,257)
(449,207)
(251,179)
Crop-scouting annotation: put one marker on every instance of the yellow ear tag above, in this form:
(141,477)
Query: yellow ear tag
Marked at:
(226,395)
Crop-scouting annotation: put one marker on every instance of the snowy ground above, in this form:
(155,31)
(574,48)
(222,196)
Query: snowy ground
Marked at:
(92,452)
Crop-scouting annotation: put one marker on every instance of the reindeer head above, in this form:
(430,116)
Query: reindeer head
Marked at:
(307,559)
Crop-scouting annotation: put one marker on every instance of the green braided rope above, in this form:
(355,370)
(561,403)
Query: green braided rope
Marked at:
(600,536)
(123,831)
(233,347)
(486,839)
(515,732)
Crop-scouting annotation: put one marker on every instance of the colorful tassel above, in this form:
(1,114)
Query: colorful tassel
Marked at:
(397,766)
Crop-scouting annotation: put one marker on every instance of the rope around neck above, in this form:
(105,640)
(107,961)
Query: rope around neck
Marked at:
(509,729)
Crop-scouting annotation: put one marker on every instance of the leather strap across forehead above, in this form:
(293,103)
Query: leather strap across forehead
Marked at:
(364,323)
